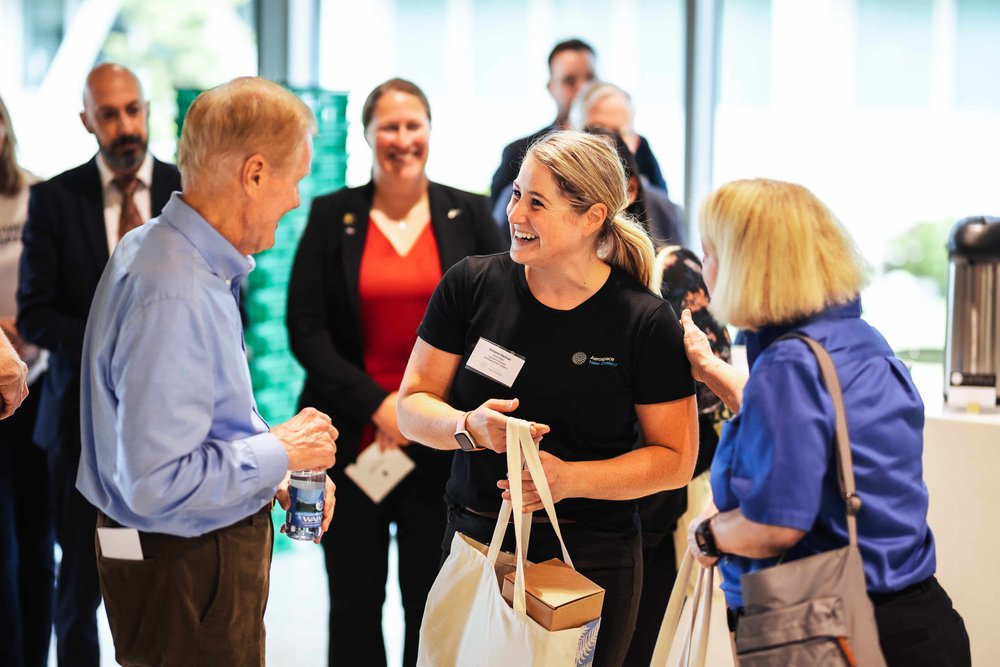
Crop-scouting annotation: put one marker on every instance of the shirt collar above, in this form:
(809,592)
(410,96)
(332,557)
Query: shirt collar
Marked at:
(144,174)
(223,258)
(760,340)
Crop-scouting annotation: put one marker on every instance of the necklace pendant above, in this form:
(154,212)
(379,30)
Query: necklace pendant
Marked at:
(402,225)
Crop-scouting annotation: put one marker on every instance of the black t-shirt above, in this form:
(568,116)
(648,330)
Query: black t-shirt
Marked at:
(584,371)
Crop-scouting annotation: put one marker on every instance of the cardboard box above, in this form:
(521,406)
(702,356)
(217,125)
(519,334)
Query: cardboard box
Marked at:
(557,596)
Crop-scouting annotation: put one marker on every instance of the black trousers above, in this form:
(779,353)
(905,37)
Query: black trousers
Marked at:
(612,560)
(357,559)
(191,601)
(78,593)
(919,627)
(27,567)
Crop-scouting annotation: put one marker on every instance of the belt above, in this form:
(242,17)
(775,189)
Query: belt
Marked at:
(913,589)
(106,521)
(537,518)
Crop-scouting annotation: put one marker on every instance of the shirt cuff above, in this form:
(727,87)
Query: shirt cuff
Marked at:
(272,460)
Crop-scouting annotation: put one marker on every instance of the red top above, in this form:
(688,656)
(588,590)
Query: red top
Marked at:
(393,290)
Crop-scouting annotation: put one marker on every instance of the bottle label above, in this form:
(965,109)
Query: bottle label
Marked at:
(306,510)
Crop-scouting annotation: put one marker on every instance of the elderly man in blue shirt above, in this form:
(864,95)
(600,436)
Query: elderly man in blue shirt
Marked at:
(176,458)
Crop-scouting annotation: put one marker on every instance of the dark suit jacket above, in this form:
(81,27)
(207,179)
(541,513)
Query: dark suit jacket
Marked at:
(514,152)
(510,162)
(65,250)
(324,319)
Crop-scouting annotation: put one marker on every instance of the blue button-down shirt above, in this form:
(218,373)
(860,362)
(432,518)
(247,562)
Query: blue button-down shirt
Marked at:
(775,459)
(172,440)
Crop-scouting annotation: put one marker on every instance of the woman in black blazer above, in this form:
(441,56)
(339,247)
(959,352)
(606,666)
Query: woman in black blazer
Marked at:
(364,270)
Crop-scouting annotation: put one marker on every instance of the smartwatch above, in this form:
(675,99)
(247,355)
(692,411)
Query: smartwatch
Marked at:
(464,438)
(706,540)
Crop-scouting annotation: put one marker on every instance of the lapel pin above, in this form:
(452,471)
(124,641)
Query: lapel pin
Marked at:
(454,213)
(348,218)
(350,230)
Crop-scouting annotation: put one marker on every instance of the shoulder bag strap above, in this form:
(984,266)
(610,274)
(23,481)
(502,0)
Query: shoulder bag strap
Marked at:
(845,467)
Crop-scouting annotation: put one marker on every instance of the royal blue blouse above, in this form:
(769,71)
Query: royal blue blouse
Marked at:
(775,460)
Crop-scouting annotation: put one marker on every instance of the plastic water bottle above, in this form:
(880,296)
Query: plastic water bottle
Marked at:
(304,518)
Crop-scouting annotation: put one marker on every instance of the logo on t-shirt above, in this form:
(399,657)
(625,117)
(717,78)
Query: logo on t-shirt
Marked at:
(581,358)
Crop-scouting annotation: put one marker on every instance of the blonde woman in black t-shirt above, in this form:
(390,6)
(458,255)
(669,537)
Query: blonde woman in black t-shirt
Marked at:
(603,365)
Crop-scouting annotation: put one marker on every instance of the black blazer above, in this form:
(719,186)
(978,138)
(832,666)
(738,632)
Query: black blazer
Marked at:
(324,319)
(65,251)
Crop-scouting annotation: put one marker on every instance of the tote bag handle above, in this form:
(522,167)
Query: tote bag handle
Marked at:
(519,442)
(695,647)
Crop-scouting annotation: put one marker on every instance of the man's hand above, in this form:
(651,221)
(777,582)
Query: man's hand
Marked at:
(329,500)
(13,378)
(309,439)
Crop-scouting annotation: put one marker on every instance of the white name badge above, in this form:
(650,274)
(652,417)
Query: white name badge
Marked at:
(120,543)
(497,363)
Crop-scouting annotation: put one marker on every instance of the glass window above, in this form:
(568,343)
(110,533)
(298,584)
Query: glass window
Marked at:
(483,66)
(745,69)
(894,52)
(869,104)
(977,55)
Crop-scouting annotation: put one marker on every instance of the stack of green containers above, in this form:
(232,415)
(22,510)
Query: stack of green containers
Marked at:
(277,377)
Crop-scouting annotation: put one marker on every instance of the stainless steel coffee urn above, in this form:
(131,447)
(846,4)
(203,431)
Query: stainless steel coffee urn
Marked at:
(972,352)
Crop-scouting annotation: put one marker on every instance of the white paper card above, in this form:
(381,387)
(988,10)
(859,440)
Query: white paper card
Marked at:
(497,363)
(377,472)
(122,543)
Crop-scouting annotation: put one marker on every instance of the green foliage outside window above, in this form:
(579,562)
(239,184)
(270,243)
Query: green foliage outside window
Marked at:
(921,250)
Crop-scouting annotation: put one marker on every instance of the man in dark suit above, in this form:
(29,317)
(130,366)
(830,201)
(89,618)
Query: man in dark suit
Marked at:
(571,64)
(74,221)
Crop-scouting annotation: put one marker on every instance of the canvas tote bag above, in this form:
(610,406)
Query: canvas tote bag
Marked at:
(694,635)
(816,610)
(466,620)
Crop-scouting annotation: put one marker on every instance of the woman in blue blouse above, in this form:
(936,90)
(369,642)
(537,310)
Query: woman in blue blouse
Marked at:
(777,261)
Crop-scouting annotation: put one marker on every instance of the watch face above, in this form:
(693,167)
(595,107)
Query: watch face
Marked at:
(465,441)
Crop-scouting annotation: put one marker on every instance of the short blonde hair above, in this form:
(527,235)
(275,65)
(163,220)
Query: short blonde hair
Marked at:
(781,253)
(233,121)
(587,171)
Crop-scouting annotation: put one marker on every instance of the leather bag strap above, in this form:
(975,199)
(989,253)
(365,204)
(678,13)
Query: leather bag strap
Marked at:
(845,466)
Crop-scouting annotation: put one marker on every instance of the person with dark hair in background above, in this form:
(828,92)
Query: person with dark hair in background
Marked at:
(571,67)
(74,223)
(679,280)
(602,361)
(366,266)
(27,565)
(571,64)
(648,204)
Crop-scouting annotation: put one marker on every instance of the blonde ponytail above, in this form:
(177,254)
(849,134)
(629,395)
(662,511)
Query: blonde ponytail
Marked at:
(627,247)
(587,170)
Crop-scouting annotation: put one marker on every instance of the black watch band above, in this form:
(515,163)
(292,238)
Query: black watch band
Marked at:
(706,540)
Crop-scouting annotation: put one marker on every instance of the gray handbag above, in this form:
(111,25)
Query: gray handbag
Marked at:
(813,611)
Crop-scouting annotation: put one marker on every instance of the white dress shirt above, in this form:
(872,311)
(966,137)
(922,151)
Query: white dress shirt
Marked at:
(113,196)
